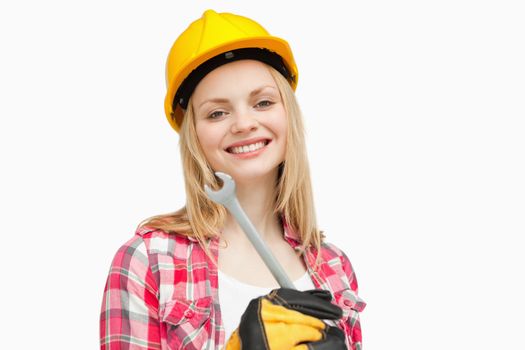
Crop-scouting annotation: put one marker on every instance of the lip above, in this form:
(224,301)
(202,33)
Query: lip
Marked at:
(248,142)
(251,154)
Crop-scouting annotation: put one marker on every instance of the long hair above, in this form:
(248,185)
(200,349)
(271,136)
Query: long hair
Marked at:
(202,218)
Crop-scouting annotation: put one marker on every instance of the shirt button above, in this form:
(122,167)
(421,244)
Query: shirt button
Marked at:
(188,313)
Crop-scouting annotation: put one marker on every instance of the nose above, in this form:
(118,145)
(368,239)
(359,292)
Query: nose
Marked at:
(244,122)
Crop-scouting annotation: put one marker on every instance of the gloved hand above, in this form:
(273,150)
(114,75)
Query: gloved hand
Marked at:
(289,319)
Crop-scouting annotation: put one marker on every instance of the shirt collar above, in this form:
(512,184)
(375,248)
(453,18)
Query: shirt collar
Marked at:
(290,235)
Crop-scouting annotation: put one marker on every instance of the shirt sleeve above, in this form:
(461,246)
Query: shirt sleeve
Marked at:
(353,321)
(129,315)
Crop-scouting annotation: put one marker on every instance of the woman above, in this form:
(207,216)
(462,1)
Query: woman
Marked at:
(185,279)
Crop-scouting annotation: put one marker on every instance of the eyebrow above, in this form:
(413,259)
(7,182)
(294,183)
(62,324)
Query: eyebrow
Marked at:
(253,93)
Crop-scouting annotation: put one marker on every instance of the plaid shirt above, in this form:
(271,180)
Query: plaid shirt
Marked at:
(162,293)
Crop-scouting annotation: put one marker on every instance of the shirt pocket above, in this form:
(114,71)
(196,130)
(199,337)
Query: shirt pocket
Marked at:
(187,322)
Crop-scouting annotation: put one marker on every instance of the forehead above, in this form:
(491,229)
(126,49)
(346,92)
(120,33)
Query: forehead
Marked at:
(235,77)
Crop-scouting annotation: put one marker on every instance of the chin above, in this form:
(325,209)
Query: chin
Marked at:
(247,175)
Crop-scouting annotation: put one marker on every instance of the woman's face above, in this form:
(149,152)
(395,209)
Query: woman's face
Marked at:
(240,120)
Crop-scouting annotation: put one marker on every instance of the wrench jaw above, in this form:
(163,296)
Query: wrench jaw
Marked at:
(225,194)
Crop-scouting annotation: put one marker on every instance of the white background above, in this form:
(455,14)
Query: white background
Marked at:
(415,116)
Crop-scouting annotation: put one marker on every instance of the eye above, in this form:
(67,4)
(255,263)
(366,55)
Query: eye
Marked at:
(264,103)
(216,115)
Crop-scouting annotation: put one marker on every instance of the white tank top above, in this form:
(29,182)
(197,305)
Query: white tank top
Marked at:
(234,297)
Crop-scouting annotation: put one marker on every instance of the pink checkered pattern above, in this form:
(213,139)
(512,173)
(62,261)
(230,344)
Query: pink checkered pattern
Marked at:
(162,293)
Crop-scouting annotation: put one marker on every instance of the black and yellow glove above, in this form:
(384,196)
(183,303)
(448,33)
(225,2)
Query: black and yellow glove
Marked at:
(289,319)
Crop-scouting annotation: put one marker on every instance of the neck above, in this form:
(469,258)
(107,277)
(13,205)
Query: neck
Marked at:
(257,199)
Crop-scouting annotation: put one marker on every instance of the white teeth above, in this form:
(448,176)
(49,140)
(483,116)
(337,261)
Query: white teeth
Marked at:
(248,148)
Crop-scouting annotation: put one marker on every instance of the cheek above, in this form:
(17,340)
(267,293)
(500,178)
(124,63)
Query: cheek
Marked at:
(280,125)
(209,139)
(279,128)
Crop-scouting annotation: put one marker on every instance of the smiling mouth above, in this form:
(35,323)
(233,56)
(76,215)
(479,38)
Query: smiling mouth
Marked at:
(248,148)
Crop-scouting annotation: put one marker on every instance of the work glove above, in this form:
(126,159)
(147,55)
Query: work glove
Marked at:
(289,319)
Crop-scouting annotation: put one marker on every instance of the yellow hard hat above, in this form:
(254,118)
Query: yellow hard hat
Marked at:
(213,40)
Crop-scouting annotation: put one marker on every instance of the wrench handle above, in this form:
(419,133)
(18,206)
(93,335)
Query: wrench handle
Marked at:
(262,249)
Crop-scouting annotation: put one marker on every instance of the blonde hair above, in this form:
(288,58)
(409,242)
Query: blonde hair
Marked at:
(202,219)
